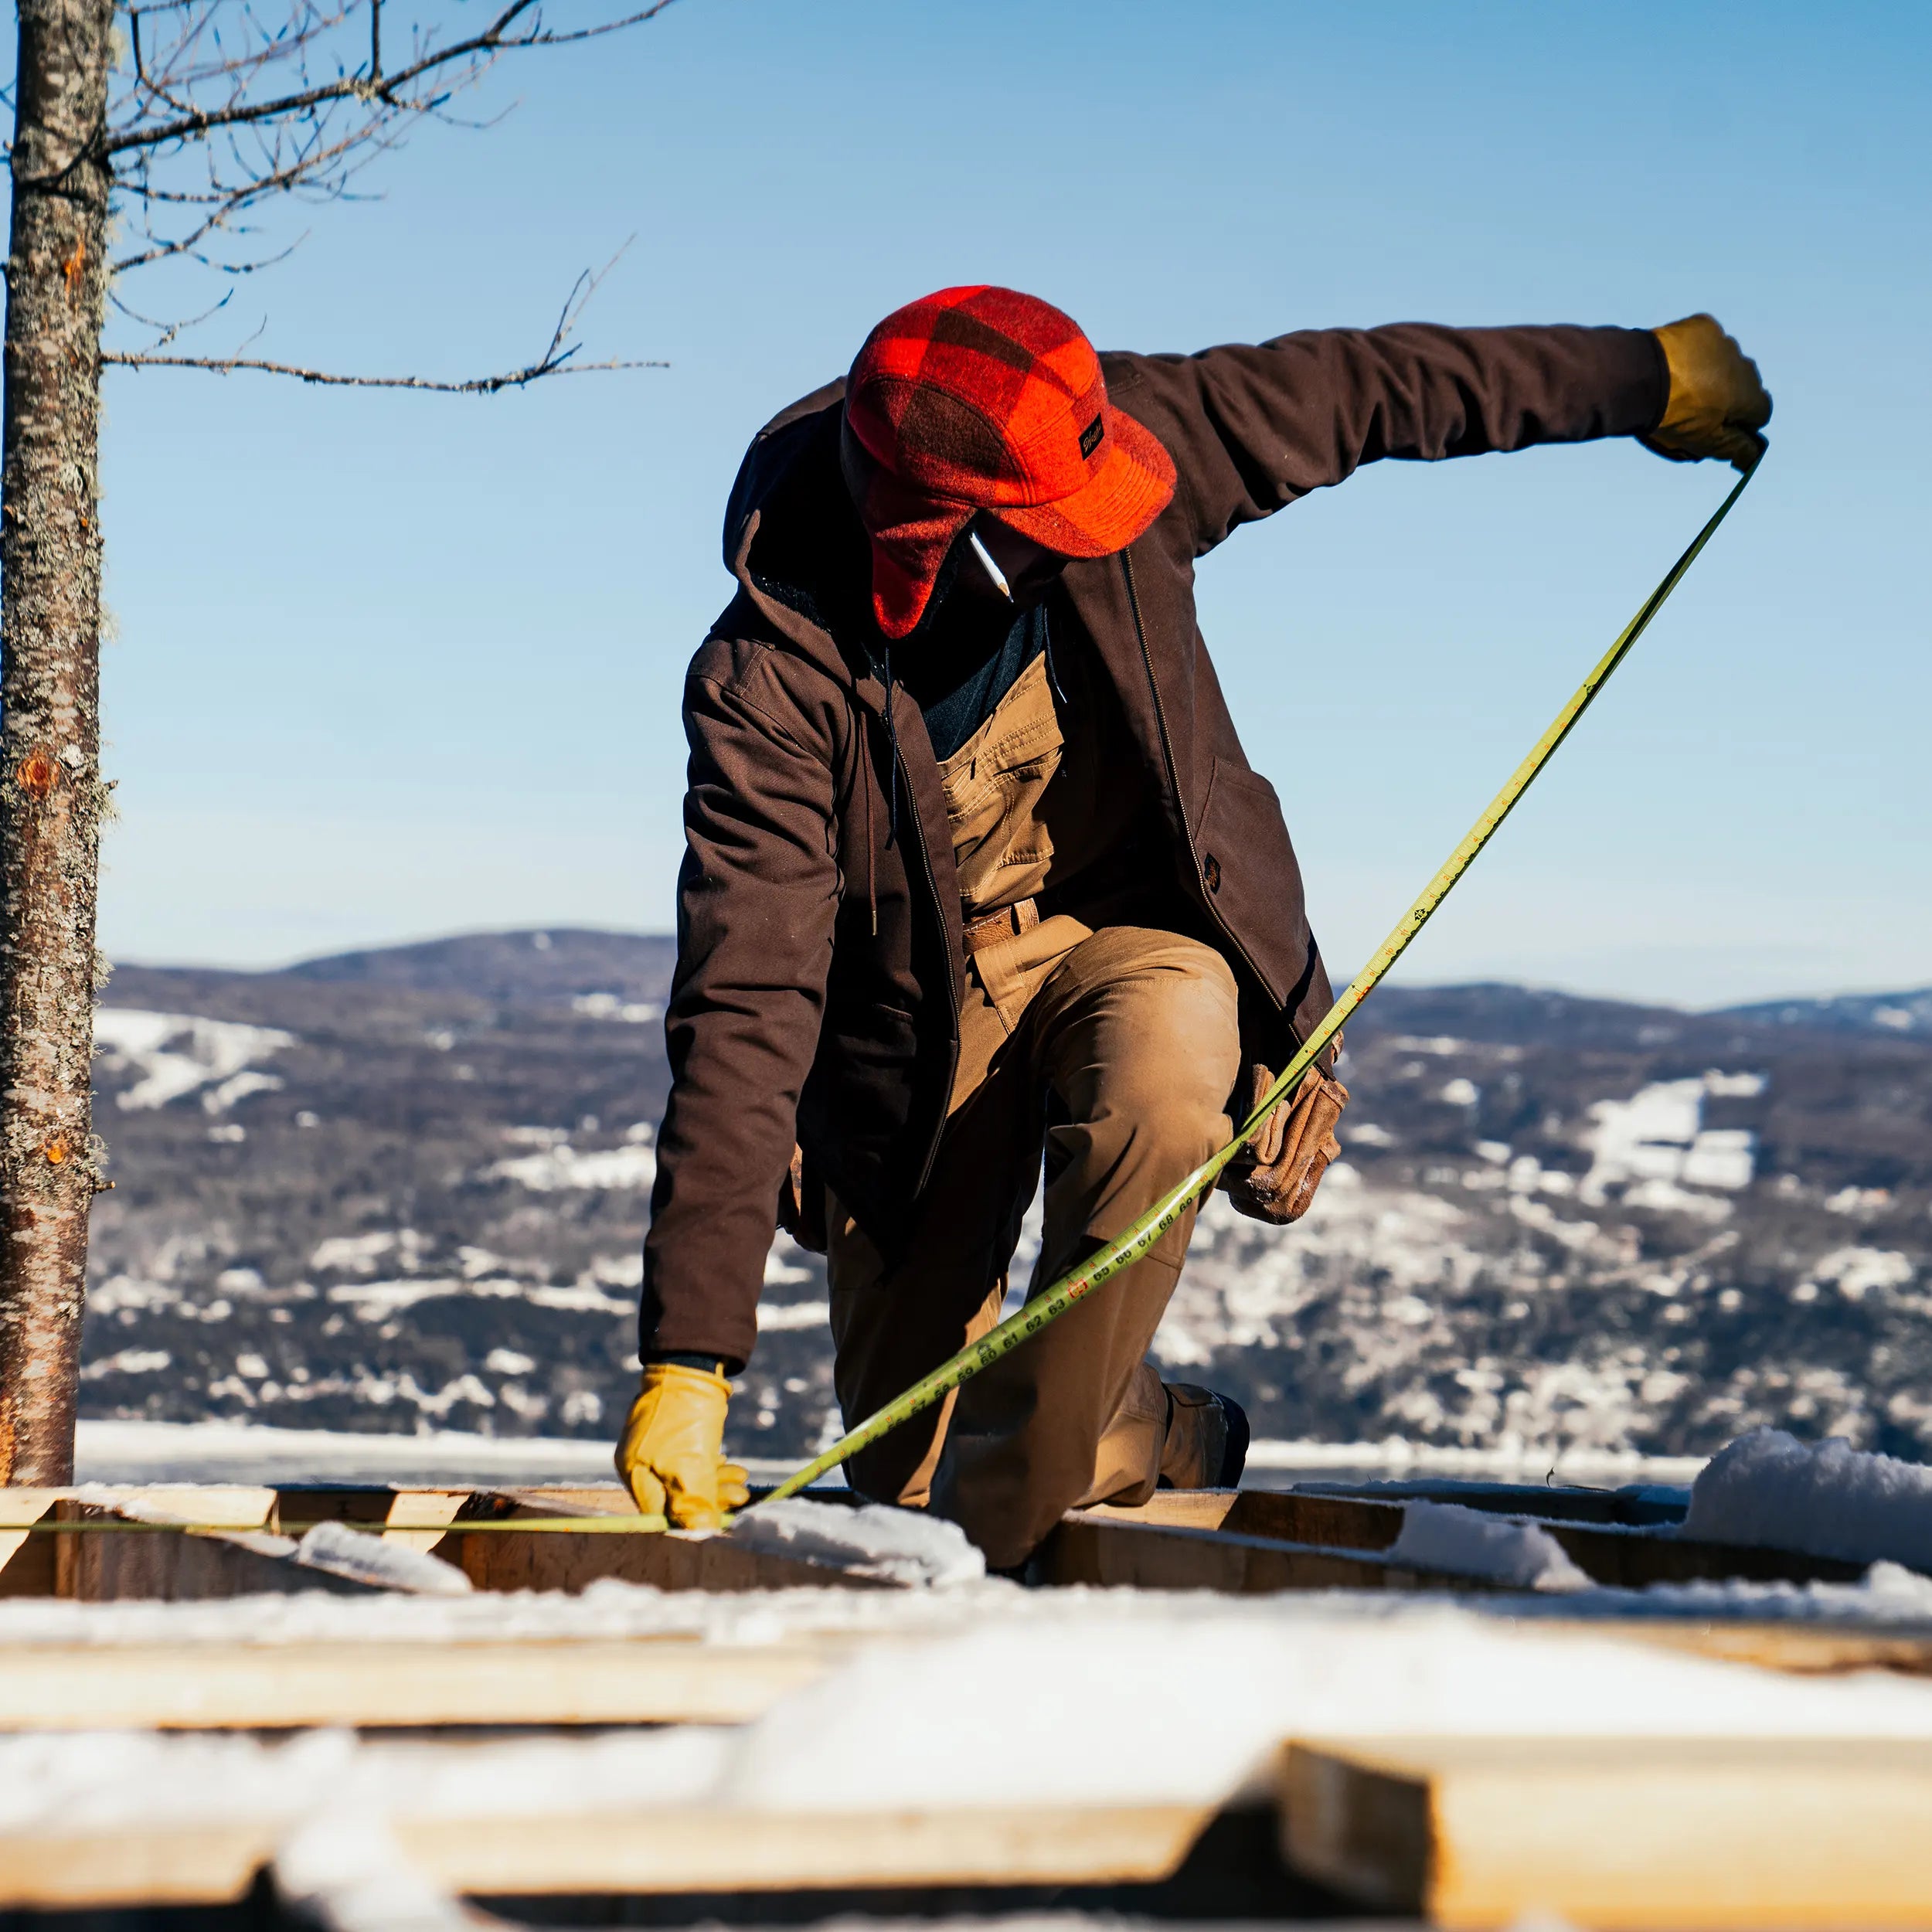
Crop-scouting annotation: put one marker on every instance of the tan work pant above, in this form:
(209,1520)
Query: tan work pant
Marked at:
(1116,1052)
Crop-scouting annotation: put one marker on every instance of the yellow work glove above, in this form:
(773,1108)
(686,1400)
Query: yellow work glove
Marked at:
(671,1452)
(1717,403)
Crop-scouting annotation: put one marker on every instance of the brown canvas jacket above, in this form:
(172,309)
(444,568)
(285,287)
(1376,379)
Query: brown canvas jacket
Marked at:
(820,959)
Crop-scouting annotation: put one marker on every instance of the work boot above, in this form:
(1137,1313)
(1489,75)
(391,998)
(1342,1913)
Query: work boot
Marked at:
(1207,1439)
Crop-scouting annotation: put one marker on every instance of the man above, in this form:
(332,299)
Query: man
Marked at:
(977,871)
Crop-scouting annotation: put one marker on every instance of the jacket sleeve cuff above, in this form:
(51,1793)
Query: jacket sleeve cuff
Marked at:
(1649,382)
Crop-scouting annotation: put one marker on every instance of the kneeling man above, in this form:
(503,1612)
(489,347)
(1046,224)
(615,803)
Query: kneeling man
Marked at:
(978,874)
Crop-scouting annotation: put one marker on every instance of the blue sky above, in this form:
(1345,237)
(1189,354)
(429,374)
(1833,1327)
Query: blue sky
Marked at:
(393,666)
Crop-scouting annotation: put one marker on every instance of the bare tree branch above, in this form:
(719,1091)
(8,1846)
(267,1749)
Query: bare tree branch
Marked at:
(496,39)
(165,333)
(474,385)
(557,359)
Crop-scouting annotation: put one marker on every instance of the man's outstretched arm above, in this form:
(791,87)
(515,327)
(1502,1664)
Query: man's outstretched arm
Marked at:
(1252,427)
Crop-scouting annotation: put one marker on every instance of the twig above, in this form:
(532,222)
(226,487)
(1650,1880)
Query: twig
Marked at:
(555,360)
(475,386)
(495,38)
(166,331)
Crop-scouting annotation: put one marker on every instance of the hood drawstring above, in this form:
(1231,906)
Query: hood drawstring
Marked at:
(871,857)
(885,674)
(892,762)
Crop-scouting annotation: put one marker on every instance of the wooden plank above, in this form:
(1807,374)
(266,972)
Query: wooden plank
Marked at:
(235,1505)
(1171,1509)
(1617,1557)
(417,1518)
(1802,1649)
(1634,1559)
(369,1506)
(26,1563)
(273,1687)
(738,1851)
(106,1566)
(658,1849)
(188,1864)
(1084,1549)
(1105,1547)
(1567,1502)
(1619,1834)
(675,1559)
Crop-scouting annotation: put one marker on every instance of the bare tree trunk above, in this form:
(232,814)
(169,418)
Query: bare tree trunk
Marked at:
(51,793)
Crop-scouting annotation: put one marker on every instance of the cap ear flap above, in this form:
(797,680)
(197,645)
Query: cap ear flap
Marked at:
(910,534)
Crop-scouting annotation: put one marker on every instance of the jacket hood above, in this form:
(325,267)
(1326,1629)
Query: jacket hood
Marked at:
(792,537)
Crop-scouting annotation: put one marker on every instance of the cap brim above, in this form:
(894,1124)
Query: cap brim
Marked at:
(1133,484)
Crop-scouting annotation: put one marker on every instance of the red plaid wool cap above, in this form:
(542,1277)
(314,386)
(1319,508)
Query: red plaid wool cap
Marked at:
(983,399)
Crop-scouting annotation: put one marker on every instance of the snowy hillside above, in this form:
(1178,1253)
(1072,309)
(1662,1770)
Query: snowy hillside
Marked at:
(406,1191)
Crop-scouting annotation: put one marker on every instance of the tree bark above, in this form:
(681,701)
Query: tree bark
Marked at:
(52,797)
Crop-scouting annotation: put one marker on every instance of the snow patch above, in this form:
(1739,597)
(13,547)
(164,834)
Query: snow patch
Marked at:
(358,1253)
(897,1545)
(1855,1271)
(783,1263)
(556,1168)
(377,1300)
(228,1451)
(1470,1542)
(792,1315)
(176,1054)
(1657,1136)
(634,1012)
(1821,1499)
(344,1871)
(128,1362)
(340,1551)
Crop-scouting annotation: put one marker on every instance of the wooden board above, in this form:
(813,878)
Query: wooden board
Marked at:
(1703,1836)
(739,1851)
(27,1567)
(1106,1546)
(178,1567)
(98,1567)
(1085,1548)
(1804,1649)
(274,1687)
(1617,1557)
(656,1850)
(1569,1502)
(676,1559)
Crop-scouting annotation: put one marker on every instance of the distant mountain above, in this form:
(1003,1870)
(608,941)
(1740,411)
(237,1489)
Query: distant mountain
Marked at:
(407,1189)
(553,963)
(1849,1013)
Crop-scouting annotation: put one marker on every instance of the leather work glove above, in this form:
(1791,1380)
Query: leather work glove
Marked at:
(671,1452)
(1274,1177)
(1717,403)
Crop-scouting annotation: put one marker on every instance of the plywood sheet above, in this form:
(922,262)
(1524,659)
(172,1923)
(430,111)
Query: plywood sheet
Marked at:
(657,1850)
(1086,1548)
(1620,1833)
(273,1687)
(1617,1557)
